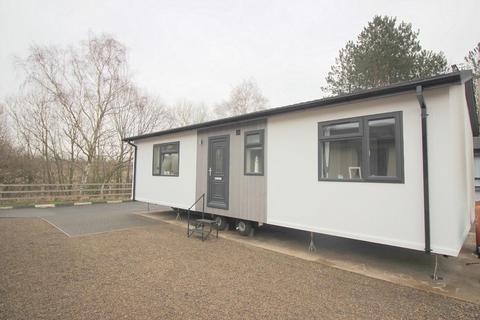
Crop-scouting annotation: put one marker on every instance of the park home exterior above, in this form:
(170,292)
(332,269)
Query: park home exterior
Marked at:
(390,165)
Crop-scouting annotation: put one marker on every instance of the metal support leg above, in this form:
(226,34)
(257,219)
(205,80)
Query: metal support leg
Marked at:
(435,276)
(178,217)
(312,247)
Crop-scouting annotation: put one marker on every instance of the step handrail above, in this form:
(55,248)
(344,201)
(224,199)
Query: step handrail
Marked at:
(202,197)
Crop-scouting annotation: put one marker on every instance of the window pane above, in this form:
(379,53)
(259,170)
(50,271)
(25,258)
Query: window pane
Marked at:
(218,165)
(382,157)
(477,172)
(253,139)
(341,129)
(254,160)
(156,160)
(172,147)
(341,159)
(477,166)
(169,164)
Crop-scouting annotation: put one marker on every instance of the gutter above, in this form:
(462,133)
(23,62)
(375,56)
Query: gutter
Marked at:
(426,193)
(134,180)
(455,77)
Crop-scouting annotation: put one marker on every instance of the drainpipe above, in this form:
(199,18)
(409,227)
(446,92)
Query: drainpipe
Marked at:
(426,194)
(134,180)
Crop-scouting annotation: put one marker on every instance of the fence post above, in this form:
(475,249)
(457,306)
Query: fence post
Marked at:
(102,196)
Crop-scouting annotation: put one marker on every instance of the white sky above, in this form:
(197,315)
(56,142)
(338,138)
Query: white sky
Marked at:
(199,49)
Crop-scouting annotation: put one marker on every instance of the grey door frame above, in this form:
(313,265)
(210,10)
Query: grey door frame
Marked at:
(226,176)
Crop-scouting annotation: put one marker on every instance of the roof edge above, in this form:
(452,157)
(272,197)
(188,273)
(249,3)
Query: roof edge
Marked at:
(449,78)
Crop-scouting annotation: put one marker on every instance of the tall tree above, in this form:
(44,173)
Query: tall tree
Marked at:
(385,52)
(15,166)
(77,104)
(184,112)
(3,123)
(244,98)
(473,60)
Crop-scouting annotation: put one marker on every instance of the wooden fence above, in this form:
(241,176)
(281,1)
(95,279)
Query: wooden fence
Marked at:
(36,193)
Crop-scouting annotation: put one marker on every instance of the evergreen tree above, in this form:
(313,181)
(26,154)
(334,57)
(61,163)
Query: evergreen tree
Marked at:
(385,52)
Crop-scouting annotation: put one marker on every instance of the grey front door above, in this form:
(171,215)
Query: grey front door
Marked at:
(218,171)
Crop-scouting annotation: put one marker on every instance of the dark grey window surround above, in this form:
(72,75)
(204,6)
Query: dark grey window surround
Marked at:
(476,154)
(159,146)
(364,136)
(261,132)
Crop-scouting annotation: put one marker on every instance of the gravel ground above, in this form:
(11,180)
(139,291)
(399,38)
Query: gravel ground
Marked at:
(156,272)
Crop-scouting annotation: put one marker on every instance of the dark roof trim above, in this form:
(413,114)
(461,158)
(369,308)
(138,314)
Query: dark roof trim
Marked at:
(472,106)
(454,77)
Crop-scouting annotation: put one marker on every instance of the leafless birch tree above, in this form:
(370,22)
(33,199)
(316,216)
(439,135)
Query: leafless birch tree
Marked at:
(76,106)
(185,112)
(244,98)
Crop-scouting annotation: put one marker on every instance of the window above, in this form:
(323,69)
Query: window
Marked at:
(254,146)
(165,159)
(477,169)
(381,138)
(362,149)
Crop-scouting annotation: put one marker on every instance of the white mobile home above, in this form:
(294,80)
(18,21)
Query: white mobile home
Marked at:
(391,165)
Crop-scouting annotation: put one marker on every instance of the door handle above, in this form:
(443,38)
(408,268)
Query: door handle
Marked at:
(210,172)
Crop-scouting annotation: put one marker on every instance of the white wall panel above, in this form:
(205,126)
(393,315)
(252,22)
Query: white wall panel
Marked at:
(388,213)
(451,168)
(170,191)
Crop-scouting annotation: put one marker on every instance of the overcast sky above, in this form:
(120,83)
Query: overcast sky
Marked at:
(200,49)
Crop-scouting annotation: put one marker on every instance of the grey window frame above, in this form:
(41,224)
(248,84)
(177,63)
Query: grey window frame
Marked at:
(341,121)
(261,132)
(476,154)
(159,147)
(364,136)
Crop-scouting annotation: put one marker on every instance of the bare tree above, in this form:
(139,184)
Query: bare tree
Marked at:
(33,116)
(75,107)
(139,114)
(14,164)
(472,61)
(185,112)
(86,85)
(3,123)
(244,98)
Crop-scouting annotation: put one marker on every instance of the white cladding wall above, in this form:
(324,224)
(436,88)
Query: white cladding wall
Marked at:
(169,191)
(387,213)
(451,169)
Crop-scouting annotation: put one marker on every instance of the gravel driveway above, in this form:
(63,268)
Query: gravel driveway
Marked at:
(156,272)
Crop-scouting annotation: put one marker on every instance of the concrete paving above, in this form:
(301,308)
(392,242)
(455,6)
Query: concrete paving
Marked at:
(460,275)
(89,219)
